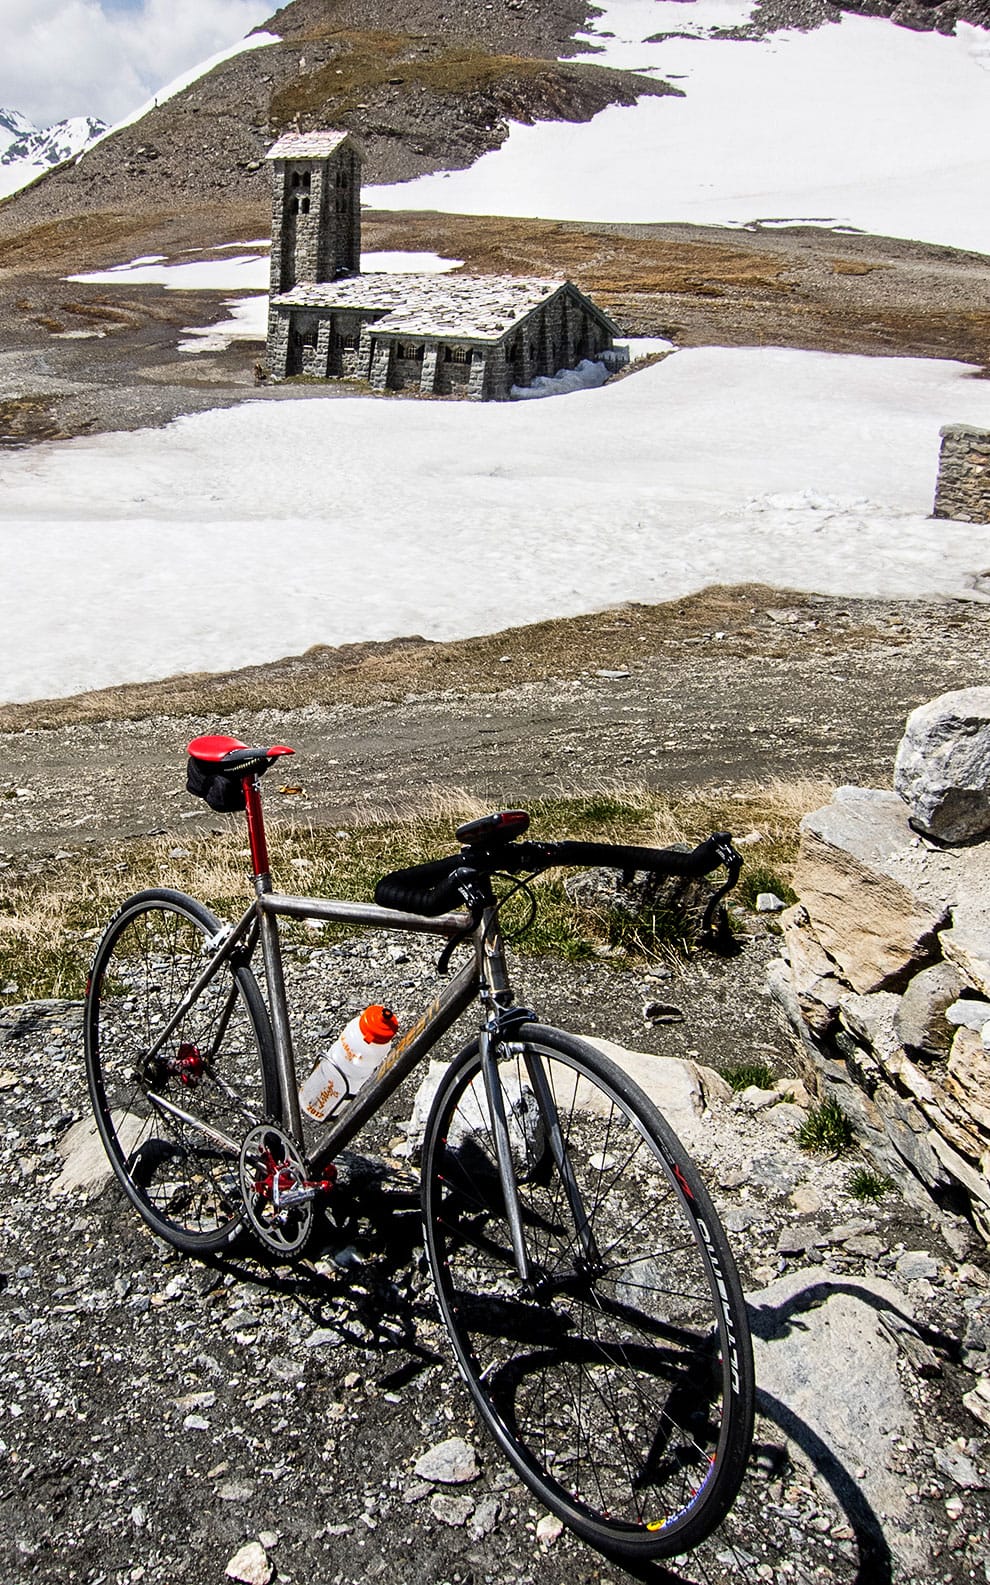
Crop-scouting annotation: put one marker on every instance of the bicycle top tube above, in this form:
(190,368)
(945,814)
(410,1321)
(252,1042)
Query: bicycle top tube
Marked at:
(227,772)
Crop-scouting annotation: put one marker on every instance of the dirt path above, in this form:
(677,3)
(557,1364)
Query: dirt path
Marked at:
(728,687)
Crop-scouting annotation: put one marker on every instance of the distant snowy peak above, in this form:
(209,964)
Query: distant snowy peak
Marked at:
(26,151)
(13,126)
(50,145)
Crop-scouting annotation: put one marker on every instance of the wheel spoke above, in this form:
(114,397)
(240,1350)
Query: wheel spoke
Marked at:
(173,1123)
(606,1383)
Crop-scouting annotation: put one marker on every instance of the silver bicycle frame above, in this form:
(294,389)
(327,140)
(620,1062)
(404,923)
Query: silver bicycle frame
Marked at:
(484,975)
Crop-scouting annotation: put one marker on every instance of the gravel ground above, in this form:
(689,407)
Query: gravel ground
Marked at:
(163,1412)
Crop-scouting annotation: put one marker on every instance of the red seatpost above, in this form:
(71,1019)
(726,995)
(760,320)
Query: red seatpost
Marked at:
(256,826)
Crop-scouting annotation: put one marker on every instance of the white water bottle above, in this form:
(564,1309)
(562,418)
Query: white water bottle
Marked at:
(353,1059)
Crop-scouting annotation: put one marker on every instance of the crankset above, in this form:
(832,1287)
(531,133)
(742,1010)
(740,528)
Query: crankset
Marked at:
(278,1195)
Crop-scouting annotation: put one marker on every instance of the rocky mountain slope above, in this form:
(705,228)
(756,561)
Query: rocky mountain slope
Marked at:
(424,88)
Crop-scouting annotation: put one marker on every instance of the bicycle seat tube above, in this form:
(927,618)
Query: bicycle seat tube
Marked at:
(271,953)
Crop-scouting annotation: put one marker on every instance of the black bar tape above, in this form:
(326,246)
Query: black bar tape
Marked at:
(424,889)
(707,856)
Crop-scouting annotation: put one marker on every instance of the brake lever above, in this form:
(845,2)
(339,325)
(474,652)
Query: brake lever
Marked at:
(466,883)
(733,862)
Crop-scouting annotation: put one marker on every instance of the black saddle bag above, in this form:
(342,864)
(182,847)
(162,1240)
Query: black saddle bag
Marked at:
(223,793)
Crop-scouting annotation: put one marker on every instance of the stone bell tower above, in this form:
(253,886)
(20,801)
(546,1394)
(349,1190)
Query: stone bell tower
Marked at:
(316,208)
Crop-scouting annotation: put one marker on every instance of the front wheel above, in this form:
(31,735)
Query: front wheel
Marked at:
(619,1379)
(173,1111)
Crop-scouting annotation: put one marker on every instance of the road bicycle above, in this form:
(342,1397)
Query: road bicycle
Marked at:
(590,1296)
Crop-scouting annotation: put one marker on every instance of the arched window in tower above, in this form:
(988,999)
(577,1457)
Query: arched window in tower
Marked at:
(307,180)
(296,179)
(294,207)
(305,206)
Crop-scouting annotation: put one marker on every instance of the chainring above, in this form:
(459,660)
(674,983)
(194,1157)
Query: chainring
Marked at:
(277,1194)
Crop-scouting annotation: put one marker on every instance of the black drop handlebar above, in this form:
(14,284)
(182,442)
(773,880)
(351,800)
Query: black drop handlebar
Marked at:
(445,884)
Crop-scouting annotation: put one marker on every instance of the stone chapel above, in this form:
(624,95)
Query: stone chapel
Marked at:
(471,336)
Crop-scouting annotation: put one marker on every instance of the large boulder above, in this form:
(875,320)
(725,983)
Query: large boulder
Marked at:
(858,877)
(942,769)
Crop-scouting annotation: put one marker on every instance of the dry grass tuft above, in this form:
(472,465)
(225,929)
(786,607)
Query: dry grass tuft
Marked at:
(49,922)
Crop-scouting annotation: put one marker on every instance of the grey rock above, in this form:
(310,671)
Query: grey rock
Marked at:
(451,1509)
(844,1230)
(942,769)
(968,1013)
(527,1134)
(416,1491)
(86,1168)
(859,879)
(681,1090)
(915,1264)
(769,903)
(484,1519)
(977,1184)
(753,1099)
(250,1565)
(451,1463)
(951,1461)
(978,1401)
(921,1018)
(872,1019)
(235,1491)
(663,1013)
(812,1316)
(796,1240)
(867,1245)
(784,1118)
(908,1131)
(322,1337)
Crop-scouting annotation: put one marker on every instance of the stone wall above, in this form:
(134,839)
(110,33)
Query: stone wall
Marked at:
(885,975)
(963,488)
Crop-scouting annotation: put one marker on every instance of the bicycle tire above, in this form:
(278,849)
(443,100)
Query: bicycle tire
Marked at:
(620,1387)
(217,1067)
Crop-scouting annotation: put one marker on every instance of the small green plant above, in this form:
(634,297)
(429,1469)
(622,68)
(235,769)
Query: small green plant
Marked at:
(744,1074)
(865,1184)
(826,1129)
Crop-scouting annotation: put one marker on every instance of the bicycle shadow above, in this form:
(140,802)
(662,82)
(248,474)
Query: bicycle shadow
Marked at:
(362,1279)
(873,1563)
(378,1301)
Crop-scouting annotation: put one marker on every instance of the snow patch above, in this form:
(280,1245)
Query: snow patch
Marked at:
(248,322)
(242,271)
(398,263)
(858,123)
(586,377)
(801,469)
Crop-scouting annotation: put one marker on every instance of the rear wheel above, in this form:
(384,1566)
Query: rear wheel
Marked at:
(619,1380)
(173,1114)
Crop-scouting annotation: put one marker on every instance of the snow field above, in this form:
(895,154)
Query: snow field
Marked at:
(242,535)
(856,124)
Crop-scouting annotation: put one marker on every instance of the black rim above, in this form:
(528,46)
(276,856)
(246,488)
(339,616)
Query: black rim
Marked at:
(182,1175)
(611,1385)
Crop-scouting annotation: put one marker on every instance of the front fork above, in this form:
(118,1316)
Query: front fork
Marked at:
(500,1040)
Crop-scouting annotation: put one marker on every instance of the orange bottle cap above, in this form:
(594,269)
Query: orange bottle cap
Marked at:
(378,1025)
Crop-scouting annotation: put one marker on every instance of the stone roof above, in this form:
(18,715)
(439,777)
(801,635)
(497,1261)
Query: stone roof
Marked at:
(472,308)
(306,145)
